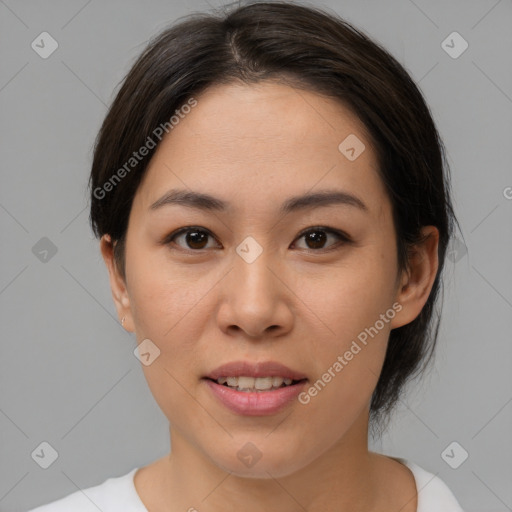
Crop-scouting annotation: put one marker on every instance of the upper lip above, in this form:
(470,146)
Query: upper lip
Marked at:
(250,369)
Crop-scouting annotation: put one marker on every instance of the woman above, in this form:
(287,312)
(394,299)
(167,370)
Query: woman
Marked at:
(273,207)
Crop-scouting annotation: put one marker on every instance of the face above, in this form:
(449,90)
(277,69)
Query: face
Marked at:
(257,277)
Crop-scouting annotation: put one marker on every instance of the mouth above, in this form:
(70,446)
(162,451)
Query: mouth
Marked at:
(255,389)
(246,384)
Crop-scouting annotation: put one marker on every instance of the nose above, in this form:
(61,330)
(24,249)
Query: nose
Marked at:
(255,299)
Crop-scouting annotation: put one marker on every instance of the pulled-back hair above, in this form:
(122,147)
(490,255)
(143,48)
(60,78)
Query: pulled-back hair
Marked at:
(310,49)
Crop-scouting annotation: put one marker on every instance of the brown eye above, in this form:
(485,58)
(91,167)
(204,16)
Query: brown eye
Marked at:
(317,237)
(194,239)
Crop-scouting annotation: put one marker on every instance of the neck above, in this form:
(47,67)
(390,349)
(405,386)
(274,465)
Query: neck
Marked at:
(342,478)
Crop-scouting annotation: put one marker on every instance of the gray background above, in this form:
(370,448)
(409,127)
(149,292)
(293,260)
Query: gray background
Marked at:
(68,373)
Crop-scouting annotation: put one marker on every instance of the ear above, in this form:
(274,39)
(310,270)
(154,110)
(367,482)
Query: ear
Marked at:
(117,283)
(417,281)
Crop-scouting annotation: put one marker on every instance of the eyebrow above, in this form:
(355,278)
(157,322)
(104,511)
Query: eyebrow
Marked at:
(207,202)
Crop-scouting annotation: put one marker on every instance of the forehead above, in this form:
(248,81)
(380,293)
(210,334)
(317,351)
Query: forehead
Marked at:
(267,140)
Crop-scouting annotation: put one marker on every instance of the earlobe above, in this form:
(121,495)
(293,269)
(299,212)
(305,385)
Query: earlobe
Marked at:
(117,283)
(417,280)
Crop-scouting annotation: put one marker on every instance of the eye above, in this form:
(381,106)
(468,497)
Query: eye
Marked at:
(194,237)
(316,237)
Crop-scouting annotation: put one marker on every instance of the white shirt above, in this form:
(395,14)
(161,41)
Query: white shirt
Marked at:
(118,494)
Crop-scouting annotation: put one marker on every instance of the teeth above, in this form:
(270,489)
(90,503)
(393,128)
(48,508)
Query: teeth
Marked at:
(245,382)
(254,384)
(232,381)
(262,383)
(277,381)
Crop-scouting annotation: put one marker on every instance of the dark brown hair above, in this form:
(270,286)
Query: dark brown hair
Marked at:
(314,50)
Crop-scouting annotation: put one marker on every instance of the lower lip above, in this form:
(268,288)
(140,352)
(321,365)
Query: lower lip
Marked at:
(256,403)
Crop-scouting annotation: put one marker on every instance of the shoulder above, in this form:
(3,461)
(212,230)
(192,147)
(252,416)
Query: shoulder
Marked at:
(116,494)
(433,493)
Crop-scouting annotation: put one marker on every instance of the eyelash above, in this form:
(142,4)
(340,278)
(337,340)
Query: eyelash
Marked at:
(344,238)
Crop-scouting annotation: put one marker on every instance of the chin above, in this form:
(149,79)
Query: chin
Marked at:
(267,463)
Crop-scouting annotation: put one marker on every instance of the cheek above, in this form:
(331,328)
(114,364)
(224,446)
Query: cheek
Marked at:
(171,314)
(346,360)
(162,296)
(352,307)
(353,294)
(168,311)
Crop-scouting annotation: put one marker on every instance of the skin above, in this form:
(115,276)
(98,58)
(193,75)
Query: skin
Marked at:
(255,146)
